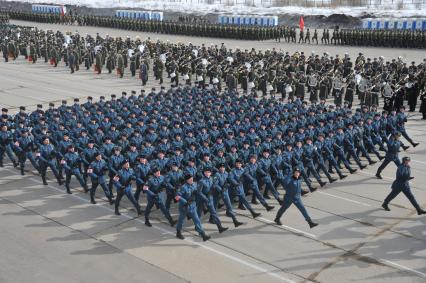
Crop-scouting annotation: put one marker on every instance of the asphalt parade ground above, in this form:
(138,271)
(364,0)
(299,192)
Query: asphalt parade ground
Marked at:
(49,236)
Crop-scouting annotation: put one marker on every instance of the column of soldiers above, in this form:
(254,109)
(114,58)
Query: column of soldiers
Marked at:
(271,72)
(202,148)
(353,37)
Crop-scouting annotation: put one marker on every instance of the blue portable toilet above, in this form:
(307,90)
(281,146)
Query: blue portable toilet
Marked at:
(404,24)
(386,24)
(409,24)
(394,25)
(369,24)
(377,24)
(414,25)
(423,24)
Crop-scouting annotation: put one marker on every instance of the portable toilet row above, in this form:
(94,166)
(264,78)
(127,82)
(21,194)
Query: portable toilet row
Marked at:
(403,24)
(48,9)
(248,20)
(140,15)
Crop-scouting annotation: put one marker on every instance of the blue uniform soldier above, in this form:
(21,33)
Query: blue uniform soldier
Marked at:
(205,198)
(401,184)
(47,158)
(72,164)
(96,172)
(186,196)
(250,181)
(221,191)
(24,147)
(293,196)
(153,188)
(236,181)
(123,183)
(173,179)
(391,155)
(6,144)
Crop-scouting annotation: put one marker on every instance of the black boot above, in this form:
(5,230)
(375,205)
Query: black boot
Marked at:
(92,200)
(277,221)
(147,223)
(415,144)
(117,211)
(172,222)
(421,211)
(255,214)
(372,162)
(332,180)
(1,164)
(59,181)
(363,167)
(43,178)
(352,171)
(312,189)
(22,172)
(241,206)
(222,229)
(236,222)
(405,147)
(86,189)
(322,184)
(342,176)
(269,207)
(379,176)
(179,235)
(111,201)
(312,224)
(68,189)
(385,206)
(206,237)
(15,164)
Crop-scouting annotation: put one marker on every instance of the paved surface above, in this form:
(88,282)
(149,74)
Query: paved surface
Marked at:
(47,234)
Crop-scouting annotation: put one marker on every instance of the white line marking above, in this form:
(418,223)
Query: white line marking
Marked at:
(350,200)
(168,232)
(421,274)
(291,228)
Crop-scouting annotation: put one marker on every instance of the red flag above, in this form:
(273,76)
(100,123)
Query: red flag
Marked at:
(301,23)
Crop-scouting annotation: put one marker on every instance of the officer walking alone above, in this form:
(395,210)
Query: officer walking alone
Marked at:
(401,184)
(292,185)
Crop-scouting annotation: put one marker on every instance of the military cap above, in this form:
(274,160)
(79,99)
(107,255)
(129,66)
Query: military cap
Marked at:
(52,104)
(4,110)
(22,108)
(102,97)
(187,176)
(107,138)
(155,169)
(66,134)
(64,102)
(113,96)
(70,146)
(25,130)
(39,106)
(238,160)
(296,169)
(76,100)
(221,165)
(125,161)
(406,158)
(91,141)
